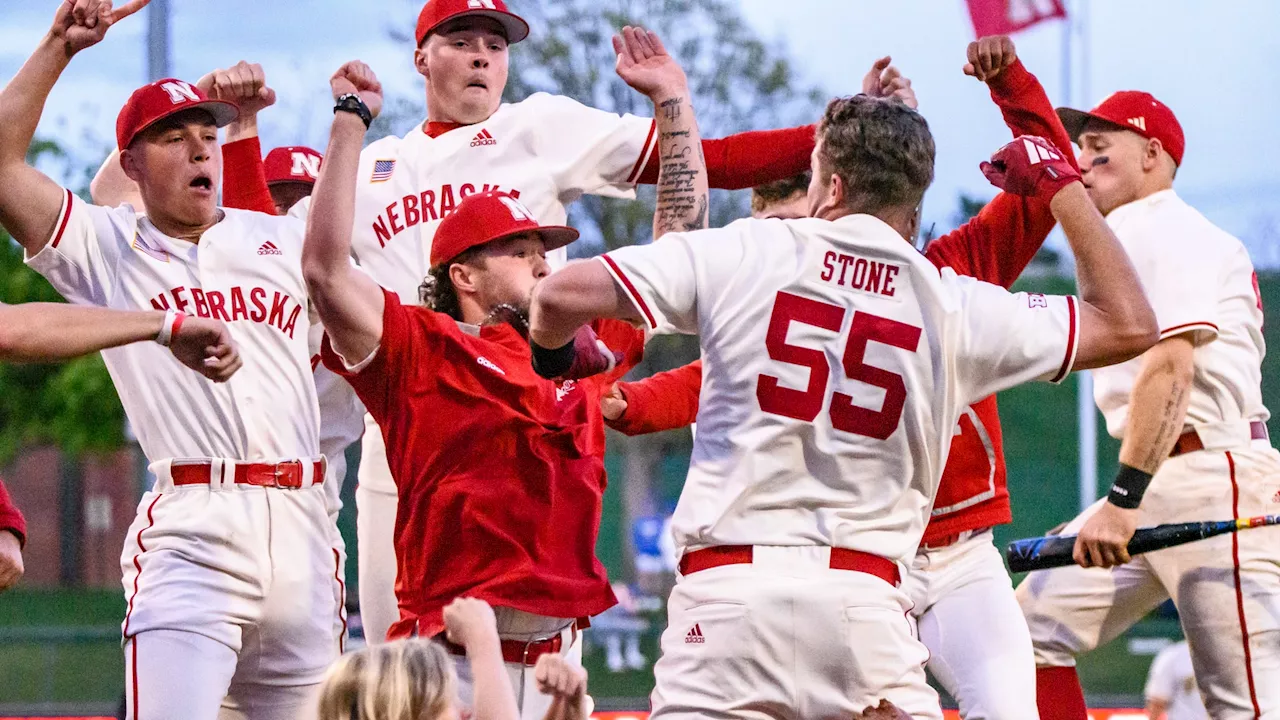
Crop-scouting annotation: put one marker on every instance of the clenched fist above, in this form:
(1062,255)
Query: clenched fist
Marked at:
(357,77)
(989,55)
(468,621)
(1030,166)
(10,560)
(243,84)
(205,346)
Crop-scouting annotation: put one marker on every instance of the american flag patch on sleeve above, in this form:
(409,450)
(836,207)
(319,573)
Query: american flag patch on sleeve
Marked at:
(382,170)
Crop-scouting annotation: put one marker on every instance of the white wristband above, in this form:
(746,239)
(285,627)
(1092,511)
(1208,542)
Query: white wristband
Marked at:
(172,321)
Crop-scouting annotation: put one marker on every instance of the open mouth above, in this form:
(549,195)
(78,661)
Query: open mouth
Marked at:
(202,182)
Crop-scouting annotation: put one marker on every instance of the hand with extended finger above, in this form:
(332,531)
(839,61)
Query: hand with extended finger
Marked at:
(1030,166)
(205,346)
(884,80)
(644,64)
(243,84)
(989,55)
(79,24)
(357,78)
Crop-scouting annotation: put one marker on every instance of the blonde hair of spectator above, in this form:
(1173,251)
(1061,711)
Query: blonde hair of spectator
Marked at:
(410,679)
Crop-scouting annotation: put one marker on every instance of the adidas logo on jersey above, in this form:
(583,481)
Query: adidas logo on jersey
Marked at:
(565,389)
(483,138)
(486,362)
(694,636)
(269,248)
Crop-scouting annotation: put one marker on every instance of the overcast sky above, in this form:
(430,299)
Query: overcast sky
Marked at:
(1214,64)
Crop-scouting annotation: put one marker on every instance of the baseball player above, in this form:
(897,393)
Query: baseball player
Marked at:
(500,472)
(229,571)
(1193,434)
(546,150)
(13,535)
(837,362)
(979,647)
(1171,691)
(291,174)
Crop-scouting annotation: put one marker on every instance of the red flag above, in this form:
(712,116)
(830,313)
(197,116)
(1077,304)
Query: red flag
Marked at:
(1005,17)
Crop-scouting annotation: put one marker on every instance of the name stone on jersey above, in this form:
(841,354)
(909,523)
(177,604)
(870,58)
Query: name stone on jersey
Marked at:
(859,273)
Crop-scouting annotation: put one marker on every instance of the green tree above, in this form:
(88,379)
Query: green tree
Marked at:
(72,405)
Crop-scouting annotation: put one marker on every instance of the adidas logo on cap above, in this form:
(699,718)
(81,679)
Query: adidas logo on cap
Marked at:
(483,138)
(694,636)
(269,248)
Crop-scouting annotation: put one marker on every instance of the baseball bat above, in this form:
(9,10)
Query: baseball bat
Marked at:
(1042,553)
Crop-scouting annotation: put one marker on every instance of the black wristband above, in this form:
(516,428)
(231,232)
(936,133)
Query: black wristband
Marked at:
(353,104)
(553,362)
(1128,488)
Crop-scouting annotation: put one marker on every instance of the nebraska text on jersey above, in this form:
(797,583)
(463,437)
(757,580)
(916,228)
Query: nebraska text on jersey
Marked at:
(426,206)
(238,303)
(267,412)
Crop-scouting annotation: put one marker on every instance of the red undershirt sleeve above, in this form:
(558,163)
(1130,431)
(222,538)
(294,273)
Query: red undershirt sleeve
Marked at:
(11,518)
(748,159)
(244,181)
(665,401)
(997,244)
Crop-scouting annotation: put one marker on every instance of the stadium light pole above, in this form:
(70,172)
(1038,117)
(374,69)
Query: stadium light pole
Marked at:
(158,40)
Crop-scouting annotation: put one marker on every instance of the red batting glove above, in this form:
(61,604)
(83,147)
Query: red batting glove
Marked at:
(590,356)
(1030,166)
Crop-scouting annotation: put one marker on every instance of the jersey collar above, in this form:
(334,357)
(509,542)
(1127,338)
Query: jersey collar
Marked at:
(1139,206)
(435,129)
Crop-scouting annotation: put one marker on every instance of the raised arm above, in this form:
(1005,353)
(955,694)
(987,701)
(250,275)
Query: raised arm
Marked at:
(349,303)
(997,244)
(1116,320)
(682,180)
(30,201)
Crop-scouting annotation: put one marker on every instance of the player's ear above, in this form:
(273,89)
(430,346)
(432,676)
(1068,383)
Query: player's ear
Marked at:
(836,194)
(463,277)
(1151,153)
(129,161)
(420,60)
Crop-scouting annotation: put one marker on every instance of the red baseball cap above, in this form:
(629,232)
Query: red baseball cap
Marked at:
(488,216)
(294,163)
(152,103)
(1135,111)
(438,12)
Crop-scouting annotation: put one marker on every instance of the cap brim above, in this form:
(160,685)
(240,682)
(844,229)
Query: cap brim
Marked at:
(514,25)
(557,236)
(1075,122)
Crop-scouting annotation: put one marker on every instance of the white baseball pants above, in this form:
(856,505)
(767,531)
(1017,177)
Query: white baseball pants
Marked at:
(1226,588)
(376,502)
(968,617)
(788,637)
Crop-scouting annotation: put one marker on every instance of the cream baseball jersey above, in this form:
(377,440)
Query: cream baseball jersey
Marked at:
(836,362)
(245,271)
(547,150)
(1199,280)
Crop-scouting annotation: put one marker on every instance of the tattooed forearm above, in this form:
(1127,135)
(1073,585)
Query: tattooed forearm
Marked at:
(1158,405)
(682,176)
(1171,416)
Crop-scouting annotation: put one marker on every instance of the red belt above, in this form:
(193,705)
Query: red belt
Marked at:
(518,652)
(282,475)
(841,559)
(1190,441)
(952,539)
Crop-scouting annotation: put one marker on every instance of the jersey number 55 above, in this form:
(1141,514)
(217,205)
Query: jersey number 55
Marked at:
(806,404)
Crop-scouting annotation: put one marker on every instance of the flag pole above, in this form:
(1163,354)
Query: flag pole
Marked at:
(1087,415)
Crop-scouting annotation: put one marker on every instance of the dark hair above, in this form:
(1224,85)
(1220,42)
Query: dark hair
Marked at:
(437,291)
(762,196)
(881,149)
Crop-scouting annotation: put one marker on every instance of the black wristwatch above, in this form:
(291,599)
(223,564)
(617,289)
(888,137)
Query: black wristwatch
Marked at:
(353,104)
